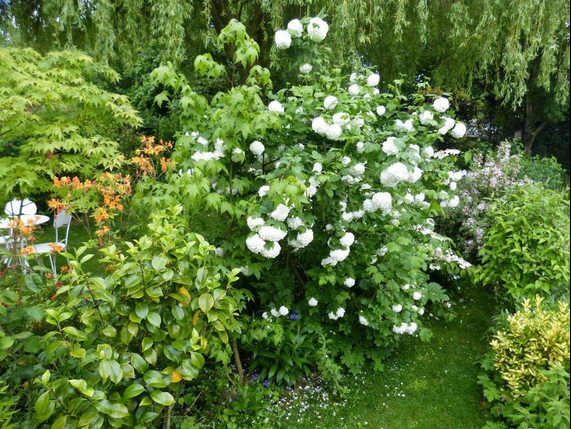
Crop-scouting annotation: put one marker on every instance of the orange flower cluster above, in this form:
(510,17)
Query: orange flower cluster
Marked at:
(56,248)
(27,251)
(22,228)
(144,157)
(73,183)
(114,187)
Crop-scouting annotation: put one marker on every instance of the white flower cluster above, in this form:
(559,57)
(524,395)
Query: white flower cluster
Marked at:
(219,150)
(450,257)
(257,148)
(339,255)
(313,302)
(349,282)
(405,328)
(317,30)
(282,312)
(363,320)
(331,131)
(379,201)
(442,154)
(389,147)
(406,126)
(397,173)
(339,314)
(276,107)
(303,239)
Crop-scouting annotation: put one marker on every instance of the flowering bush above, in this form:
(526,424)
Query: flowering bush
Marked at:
(490,177)
(527,371)
(323,193)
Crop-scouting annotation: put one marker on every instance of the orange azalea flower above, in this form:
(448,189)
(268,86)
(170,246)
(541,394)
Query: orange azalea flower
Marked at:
(104,230)
(27,251)
(56,248)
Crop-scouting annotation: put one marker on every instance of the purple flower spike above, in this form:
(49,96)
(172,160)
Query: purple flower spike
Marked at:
(266,384)
(294,316)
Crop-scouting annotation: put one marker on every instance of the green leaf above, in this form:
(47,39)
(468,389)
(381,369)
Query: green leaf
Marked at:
(60,423)
(104,369)
(206,302)
(139,363)
(155,379)
(44,407)
(116,374)
(133,391)
(162,398)
(142,310)
(159,262)
(154,319)
(88,416)
(6,343)
(75,333)
(116,411)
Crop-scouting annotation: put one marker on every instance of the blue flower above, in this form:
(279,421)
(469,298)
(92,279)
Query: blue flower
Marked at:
(266,383)
(294,316)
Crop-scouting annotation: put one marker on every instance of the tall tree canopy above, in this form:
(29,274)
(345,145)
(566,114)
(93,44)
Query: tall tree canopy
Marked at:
(516,50)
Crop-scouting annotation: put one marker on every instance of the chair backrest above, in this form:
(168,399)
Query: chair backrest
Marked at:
(60,221)
(20,207)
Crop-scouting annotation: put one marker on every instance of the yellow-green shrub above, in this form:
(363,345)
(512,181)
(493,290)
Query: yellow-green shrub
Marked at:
(527,370)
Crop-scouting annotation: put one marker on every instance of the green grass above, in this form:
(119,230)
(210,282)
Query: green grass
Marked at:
(425,386)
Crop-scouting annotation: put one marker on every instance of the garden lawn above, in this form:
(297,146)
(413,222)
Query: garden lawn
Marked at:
(425,386)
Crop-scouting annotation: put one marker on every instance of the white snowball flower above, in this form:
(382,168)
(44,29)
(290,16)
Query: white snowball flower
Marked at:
(381,110)
(271,233)
(453,186)
(283,39)
(332,316)
(330,102)
(389,147)
(404,126)
(237,154)
(284,311)
(341,119)
(395,174)
(304,239)
(317,29)
(340,312)
(416,175)
(382,251)
(313,302)
(441,104)
(397,308)
(254,223)
(272,253)
(348,239)
(294,223)
(425,117)
(295,28)
(257,148)
(319,125)
(382,201)
(406,287)
(280,213)
(417,296)
(353,78)
(276,106)
(255,243)
(454,202)
(264,190)
(275,313)
(349,282)
(202,141)
(419,198)
(363,321)
(411,329)
(334,132)
(306,68)
(459,131)
(265,316)
(408,198)
(219,252)
(360,147)
(373,80)
(428,151)
(449,123)
(354,90)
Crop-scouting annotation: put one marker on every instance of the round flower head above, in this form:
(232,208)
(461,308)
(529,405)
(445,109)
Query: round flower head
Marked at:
(389,147)
(254,223)
(318,168)
(425,117)
(454,202)
(373,80)
(363,321)
(334,132)
(397,308)
(441,104)
(264,190)
(255,244)
(295,28)
(341,119)
(257,148)
(273,252)
(306,68)
(313,302)
(294,223)
(395,174)
(319,125)
(276,106)
(280,213)
(381,110)
(459,130)
(340,312)
(354,90)
(283,39)
(347,240)
(417,296)
(271,233)
(360,147)
(317,29)
(330,102)
(349,282)
(284,311)
(404,126)
(353,77)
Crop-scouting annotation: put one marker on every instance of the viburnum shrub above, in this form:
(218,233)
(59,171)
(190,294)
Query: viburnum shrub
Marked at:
(324,193)
(118,351)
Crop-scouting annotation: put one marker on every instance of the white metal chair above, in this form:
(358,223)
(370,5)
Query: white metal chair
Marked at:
(20,207)
(62,220)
